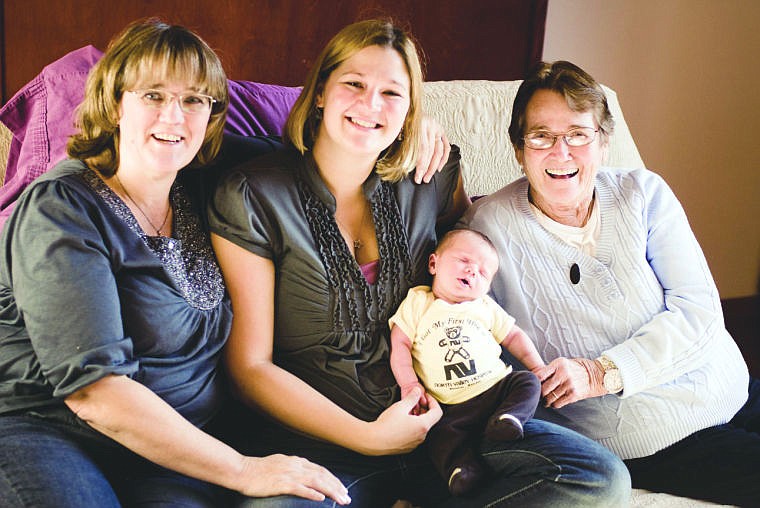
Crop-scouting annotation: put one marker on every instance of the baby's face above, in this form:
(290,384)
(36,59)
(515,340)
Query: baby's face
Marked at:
(463,270)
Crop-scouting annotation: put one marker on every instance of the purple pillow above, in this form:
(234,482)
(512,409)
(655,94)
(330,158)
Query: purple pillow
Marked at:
(259,109)
(41,117)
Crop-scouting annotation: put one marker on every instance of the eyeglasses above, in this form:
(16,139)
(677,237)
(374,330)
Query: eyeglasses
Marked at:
(543,140)
(191,103)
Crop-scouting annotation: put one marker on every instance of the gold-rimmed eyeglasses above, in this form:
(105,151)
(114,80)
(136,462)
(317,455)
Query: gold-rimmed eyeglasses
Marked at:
(190,102)
(543,140)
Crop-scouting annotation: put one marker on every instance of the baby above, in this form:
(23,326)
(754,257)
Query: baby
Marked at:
(450,336)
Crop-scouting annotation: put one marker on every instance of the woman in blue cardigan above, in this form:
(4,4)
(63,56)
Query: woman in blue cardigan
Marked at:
(601,268)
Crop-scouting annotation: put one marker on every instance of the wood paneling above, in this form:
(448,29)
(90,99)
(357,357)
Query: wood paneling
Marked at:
(275,41)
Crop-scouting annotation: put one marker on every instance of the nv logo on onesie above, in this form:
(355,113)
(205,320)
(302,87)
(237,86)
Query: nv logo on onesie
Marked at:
(453,344)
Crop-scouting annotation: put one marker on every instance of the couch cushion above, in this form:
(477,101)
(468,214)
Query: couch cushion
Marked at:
(258,109)
(40,118)
(475,115)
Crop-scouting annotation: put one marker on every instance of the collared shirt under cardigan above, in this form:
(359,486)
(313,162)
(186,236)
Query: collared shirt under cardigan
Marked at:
(647,300)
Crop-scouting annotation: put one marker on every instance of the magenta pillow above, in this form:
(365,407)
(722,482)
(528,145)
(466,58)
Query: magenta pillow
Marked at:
(41,117)
(259,109)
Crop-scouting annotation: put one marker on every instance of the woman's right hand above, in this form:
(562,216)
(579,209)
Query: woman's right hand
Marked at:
(397,430)
(277,475)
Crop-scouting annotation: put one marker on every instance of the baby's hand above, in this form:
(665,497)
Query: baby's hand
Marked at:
(422,405)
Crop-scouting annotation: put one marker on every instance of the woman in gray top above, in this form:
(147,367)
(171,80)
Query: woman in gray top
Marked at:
(318,245)
(112,307)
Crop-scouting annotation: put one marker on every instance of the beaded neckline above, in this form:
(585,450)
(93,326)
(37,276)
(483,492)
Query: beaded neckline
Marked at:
(187,256)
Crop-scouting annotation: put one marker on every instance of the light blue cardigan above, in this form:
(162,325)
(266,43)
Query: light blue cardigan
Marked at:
(647,300)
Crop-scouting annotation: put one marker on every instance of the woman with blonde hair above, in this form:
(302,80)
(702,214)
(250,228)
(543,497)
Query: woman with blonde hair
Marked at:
(113,310)
(318,245)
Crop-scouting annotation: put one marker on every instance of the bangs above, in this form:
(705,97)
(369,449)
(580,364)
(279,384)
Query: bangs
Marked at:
(170,60)
(159,69)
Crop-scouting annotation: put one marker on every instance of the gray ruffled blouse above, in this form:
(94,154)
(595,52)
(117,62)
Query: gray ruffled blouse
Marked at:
(331,325)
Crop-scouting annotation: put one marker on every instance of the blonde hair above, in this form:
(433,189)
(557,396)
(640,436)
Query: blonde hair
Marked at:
(303,122)
(142,47)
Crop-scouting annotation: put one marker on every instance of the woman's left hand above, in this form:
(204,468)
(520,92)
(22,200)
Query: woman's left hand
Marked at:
(567,380)
(397,430)
(434,150)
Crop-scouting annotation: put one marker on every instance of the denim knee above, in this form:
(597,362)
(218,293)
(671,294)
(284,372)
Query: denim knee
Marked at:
(554,466)
(614,485)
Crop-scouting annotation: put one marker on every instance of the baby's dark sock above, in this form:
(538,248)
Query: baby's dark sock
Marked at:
(465,477)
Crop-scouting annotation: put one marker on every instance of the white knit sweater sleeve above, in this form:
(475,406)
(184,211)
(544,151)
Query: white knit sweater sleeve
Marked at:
(689,330)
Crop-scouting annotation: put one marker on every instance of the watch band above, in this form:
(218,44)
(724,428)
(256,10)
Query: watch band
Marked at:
(607,364)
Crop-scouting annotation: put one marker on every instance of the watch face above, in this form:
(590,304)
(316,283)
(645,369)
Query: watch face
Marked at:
(612,381)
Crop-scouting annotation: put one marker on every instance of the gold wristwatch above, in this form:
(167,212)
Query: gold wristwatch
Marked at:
(612,380)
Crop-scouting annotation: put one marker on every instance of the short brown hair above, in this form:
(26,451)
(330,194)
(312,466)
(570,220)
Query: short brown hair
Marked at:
(142,46)
(303,122)
(580,90)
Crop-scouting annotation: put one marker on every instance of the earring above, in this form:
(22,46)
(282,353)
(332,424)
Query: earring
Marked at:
(318,114)
(400,136)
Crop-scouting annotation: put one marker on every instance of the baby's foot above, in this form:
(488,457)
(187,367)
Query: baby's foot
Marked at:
(504,427)
(465,477)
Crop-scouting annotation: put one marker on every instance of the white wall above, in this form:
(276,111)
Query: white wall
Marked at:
(687,75)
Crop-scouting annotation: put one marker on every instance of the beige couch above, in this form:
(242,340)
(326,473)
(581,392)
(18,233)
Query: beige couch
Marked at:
(476,115)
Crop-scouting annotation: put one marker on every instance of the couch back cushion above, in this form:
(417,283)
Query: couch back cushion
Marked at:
(259,109)
(39,117)
(475,115)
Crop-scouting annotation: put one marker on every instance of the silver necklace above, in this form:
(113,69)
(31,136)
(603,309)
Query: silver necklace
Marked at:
(166,217)
(357,243)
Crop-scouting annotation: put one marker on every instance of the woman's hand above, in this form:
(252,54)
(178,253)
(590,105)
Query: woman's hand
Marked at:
(277,475)
(565,381)
(131,414)
(434,150)
(422,404)
(397,430)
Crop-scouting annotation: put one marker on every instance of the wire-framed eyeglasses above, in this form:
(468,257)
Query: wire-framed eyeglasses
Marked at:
(543,140)
(190,102)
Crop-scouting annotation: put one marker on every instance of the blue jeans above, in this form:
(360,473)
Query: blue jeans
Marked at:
(55,461)
(551,466)
(719,464)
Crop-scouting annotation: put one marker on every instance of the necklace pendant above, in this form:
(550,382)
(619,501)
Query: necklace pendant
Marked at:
(358,245)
